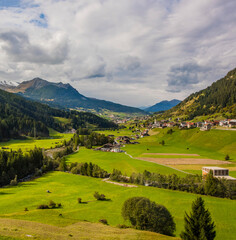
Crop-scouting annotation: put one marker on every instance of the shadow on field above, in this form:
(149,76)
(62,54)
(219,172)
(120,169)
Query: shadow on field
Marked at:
(4,193)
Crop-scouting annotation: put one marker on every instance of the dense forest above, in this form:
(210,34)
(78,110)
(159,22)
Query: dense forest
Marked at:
(87,138)
(19,116)
(220,97)
(16,165)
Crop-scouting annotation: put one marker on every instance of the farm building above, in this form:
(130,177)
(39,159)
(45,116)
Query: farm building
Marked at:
(206,127)
(217,172)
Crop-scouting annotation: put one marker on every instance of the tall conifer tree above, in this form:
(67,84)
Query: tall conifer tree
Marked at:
(198,224)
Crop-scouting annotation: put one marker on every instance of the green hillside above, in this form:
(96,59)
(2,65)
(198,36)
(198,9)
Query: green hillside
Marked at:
(220,97)
(65,188)
(19,116)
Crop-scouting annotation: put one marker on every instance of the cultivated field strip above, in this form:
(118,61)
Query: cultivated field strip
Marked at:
(182,161)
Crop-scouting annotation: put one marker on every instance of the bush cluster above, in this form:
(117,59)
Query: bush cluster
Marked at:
(50,205)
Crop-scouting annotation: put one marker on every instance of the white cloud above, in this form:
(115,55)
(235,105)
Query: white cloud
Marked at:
(123,51)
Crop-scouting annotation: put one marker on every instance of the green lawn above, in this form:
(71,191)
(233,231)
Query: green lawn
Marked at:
(66,188)
(120,132)
(29,143)
(120,161)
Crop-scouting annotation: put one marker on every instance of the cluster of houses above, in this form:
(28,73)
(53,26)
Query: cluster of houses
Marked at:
(120,142)
(204,126)
(109,147)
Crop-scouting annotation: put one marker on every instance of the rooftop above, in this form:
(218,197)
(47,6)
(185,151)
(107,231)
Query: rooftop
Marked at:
(215,168)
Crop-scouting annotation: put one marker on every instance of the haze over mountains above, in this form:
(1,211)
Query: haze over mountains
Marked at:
(163,106)
(64,95)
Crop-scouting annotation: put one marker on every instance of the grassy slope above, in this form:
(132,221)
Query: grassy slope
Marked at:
(213,144)
(80,230)
(66,188)
(120,161)
(30,143)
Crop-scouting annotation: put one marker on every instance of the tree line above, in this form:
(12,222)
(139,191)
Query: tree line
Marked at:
(191,183)
(89,139)
(17,165)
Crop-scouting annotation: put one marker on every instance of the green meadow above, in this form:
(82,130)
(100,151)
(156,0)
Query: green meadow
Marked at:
(214,144)
(29,143)
(65,188)
(120,161)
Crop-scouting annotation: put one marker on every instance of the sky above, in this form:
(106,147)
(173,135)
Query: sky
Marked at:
(133,52)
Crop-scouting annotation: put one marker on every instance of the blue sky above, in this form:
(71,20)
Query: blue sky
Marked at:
(135,52)
(10,3)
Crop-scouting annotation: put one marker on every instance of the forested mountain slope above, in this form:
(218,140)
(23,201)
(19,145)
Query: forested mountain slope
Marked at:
(220,97)
(19,116)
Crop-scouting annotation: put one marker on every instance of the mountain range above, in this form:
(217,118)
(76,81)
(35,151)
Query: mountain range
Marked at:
(162,106)
(220,98)
(19,116)
(64,95)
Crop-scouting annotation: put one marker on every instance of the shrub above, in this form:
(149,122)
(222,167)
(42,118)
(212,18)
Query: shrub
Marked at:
(52,204)
(162,142)
(26,209)
(103,221)
(14,181)
(170,131)
(99,197)
(43,206)
(122,226)
(227,157)
(58,205)
(147,215)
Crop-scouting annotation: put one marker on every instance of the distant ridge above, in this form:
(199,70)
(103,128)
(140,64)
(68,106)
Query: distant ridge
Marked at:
(162,106)
(65,96)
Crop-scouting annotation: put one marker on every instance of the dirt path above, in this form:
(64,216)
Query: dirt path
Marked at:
(182,161)
(172,154)
(119,184)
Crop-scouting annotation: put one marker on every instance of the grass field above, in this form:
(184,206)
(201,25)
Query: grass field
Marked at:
(66,188)
(214,144)
(120,161)
(29,143)
(80,230)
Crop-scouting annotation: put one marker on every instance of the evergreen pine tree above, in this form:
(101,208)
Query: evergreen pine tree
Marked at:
(198,224)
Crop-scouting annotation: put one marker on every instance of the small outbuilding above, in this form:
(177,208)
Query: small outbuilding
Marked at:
(217,172)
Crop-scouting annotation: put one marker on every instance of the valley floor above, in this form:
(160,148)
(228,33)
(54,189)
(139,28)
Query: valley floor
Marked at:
(81,220)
